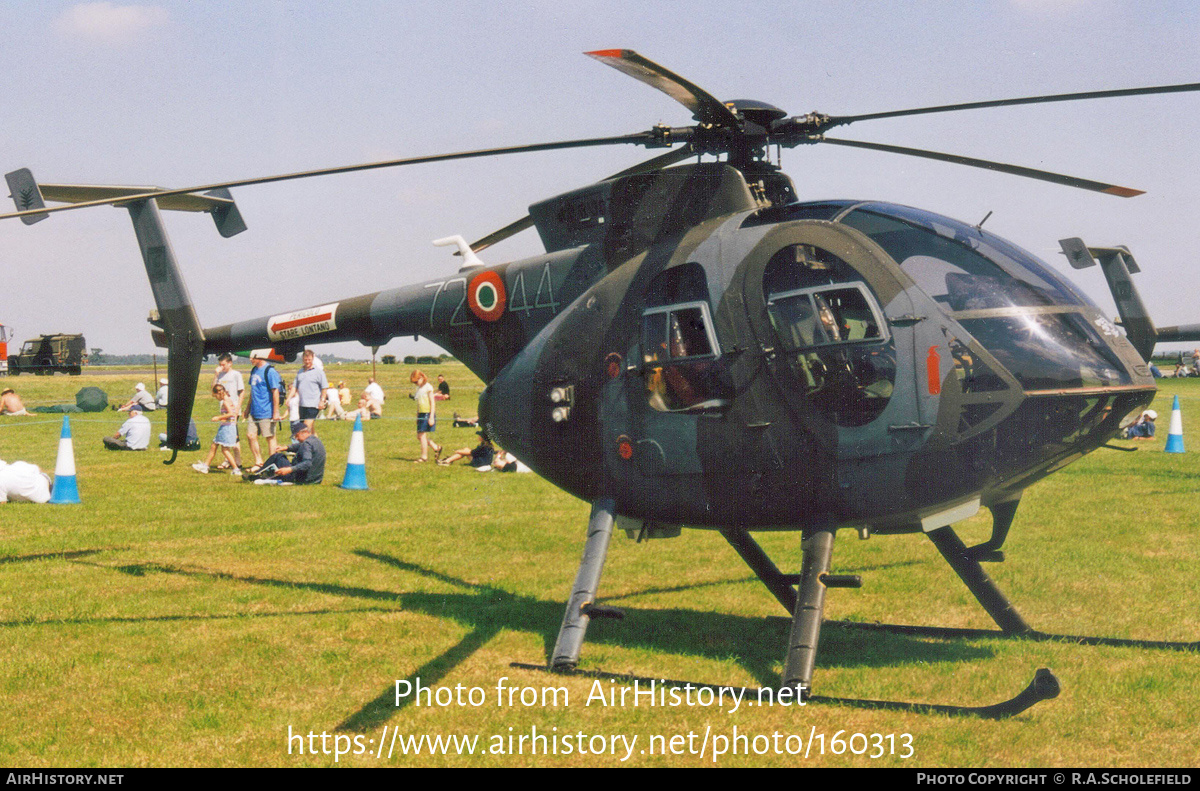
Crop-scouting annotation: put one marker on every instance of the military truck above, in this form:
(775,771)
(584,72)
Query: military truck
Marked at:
(46,354)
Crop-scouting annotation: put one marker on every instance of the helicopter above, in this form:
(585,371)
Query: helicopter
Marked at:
(699,347)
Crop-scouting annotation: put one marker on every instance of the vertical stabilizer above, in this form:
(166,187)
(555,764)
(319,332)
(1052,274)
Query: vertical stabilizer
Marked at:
(176,317)
(1117,264)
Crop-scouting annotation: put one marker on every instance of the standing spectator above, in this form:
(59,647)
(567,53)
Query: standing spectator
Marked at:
(292,403)
(160,398)
(231,380)
(134,433)
(226,438)
(311,385)
(443,389)
(141,399)
(262,407)
(11,404)
(426,415)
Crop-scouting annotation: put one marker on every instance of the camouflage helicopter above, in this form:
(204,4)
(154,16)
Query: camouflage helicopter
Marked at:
(698,347)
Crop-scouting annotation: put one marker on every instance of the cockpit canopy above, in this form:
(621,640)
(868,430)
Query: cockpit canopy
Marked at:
(1014,305)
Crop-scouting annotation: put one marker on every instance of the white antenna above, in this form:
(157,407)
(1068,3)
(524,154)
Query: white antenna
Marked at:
(470,260)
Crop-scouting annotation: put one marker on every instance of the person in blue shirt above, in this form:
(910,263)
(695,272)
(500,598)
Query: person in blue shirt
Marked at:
(262,407)
(1144,427)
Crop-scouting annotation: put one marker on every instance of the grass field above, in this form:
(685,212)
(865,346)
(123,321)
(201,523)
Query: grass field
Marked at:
(181,619)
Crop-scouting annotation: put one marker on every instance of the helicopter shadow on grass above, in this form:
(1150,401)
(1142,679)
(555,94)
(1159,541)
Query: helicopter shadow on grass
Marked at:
(65,555)
(754,643)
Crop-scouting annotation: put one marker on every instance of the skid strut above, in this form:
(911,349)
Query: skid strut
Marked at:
(587,581)
(809,612)
(963,561)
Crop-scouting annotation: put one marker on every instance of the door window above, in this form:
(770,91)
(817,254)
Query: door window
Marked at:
(834,339)
(680,358)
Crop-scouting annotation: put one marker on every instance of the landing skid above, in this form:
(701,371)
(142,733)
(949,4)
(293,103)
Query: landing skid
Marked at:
(806,603)
(1033,635)
(1043,687)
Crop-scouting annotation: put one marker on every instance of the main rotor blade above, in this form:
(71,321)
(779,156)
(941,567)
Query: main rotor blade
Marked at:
(1016,170)
(657,163)
(640,137)
(839,120)
(706,108)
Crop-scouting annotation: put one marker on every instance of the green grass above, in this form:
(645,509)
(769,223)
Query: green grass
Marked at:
(181,619)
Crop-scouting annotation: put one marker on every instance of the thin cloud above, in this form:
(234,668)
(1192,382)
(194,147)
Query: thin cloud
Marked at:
(106,23)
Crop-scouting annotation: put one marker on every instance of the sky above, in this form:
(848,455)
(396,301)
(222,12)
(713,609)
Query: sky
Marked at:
(191,92)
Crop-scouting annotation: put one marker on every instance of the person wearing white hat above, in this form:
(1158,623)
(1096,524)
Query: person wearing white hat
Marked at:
(141,399)
(1143,427)
(134,433)
(160,398)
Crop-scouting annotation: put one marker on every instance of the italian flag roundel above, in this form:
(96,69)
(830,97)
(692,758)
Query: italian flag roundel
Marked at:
(485,296)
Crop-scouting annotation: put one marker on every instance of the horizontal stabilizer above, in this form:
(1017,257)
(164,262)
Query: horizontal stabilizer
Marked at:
(25,194)
(1080,256)
(28,194)
(82,193)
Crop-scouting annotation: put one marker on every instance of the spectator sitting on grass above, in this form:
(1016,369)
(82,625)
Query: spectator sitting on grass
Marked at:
(134,433)
(193,438)
(307,464)
(141,399)
(481,455)
(1143,428)
(11,404)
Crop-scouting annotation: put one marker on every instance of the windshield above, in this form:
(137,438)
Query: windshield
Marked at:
(958,265)
(1016,306)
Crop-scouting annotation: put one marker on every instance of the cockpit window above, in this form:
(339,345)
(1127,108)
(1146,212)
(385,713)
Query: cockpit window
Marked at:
(679,354)
(958,265)
(824,316)
(831,333)
(1049,351)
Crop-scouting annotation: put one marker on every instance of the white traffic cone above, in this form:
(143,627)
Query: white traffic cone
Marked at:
(356,460)
(65,488)
(1175,435)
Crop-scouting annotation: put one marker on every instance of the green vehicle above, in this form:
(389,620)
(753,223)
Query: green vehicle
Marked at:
(46,354)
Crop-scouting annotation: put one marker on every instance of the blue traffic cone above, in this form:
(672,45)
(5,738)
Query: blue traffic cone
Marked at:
(65,488)
(356,460)
(1175,435)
